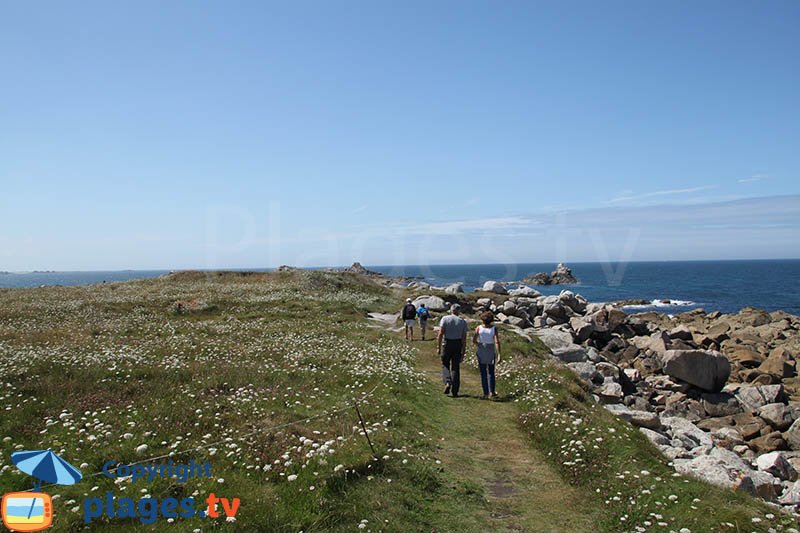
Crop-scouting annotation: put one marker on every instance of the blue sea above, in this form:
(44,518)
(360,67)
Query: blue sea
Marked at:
(726,286)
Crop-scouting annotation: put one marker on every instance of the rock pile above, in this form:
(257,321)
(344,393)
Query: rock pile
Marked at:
(562,275)
(715,393)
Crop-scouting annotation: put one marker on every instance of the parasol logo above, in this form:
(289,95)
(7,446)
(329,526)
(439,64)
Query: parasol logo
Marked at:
(33,510)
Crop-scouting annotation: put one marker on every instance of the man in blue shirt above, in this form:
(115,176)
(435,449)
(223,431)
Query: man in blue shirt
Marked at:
(423,315)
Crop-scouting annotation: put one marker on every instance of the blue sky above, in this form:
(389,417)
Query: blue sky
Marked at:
(250,134)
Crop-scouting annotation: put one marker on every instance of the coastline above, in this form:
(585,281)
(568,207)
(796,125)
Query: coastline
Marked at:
(717,393)
(674,287)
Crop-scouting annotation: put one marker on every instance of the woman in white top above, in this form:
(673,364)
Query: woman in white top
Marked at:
(488,342)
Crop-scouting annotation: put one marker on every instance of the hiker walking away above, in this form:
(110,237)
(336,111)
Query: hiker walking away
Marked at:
(409,314)
(423,315)
(452,342)
(488,342)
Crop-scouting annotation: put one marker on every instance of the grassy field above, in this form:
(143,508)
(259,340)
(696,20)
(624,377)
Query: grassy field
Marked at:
(262,385)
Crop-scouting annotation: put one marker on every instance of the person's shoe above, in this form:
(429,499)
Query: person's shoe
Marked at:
(447,389)
(494,395)
(455,395)
(484,397)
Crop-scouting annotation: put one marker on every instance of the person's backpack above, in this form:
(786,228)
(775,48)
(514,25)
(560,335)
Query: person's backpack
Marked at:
(423,313)
(409,311)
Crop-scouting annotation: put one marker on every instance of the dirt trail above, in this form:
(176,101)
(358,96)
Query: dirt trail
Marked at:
(484,444)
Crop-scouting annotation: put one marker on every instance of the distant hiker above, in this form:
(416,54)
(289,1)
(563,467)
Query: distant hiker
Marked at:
(452,342)
(409,314)
(488,342)
(423,315)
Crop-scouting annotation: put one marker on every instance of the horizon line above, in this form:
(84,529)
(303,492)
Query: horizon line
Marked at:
(376,265)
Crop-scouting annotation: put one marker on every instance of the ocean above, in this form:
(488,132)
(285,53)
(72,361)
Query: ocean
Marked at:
(725,286)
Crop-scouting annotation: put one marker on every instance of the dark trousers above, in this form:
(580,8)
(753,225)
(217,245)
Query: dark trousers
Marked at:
(451,360)
(487,378)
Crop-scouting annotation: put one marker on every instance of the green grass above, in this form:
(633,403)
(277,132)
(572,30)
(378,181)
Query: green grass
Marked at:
(95,372)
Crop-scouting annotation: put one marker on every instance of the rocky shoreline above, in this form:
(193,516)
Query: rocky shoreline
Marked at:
(717,394)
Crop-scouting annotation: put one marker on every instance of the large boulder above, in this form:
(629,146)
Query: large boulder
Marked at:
(779,364)
(454,288)
(776,464)
(433,303)
(681,332)
(509,307)
(753,398)
(575,302)
(610,392)
(791,496)
(659,439)
(495,287)
(792,435)
(768,443)
(777,415)
(524,290)
(659,342)
(572,353)
(517,322)
(720,467)
(554,338)
(749,316)
(706,369)
(583,328)
(767,486)
(584,370)
(720,404)
(642,419)
(607,319)
(556,310)
(746,357)
(686,432)
(718,331)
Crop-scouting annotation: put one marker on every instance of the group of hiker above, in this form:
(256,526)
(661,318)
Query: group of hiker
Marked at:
(451,342)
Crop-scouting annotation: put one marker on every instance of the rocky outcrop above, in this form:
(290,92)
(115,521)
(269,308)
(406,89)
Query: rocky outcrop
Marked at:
(357,268)
(562,275)
(716,394)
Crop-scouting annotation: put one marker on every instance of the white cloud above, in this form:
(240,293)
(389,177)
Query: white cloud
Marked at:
(460,226)
(754,178)
(656,194)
